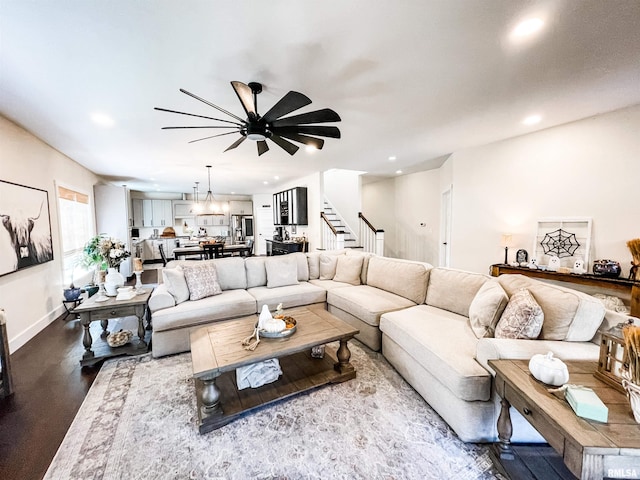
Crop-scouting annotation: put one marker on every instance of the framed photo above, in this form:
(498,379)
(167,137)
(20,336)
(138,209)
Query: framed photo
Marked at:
(25,227)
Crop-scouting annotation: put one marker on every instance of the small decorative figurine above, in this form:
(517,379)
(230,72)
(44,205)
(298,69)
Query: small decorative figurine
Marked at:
(533,264)
(522,257)
(554,263)
(578,266)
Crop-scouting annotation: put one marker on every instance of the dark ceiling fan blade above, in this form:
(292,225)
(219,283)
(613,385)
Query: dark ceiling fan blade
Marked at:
(245,95)
(317,116)
(173,128)
(290,102)
(212,136)
(285,144)
(318,130)
(199,116)
(212,105)
(236,143)
(262,147)
(311,141)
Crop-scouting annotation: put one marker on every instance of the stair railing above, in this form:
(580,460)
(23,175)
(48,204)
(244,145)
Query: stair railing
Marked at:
(371,238)
(332,239)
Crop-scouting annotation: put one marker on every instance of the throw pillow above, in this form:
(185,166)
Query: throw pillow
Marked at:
(281,271)
(328,264)
(522,318)
(486,308)
(176,284)
(313,259)
(348,269)
(202,280)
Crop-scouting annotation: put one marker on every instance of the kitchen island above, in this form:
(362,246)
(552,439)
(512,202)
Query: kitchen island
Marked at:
(283,247)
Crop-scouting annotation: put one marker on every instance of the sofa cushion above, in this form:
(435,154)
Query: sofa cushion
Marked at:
(328,264)
(303,266)
(401,277)
(202,280)
(444,281)
(281,271)
(313,261)
(366,302)
(568,314)
(256,271)
(486,308)
(348,269)
(522,318)
(329,284)
(366,256)
(176,283)
(297,295)
(229,304)
(442,343)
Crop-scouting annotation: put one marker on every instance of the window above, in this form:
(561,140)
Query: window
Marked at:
(75,230)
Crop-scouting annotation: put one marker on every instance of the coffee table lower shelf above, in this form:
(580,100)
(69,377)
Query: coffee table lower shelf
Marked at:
(300,373)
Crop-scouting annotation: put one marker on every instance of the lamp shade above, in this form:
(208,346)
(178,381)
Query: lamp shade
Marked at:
(506,240)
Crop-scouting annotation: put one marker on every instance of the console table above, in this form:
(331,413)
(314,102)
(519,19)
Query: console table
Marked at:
(619,284)
(283,247)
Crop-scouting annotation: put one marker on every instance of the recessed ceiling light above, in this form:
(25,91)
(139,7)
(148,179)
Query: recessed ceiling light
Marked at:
(398,172)
(102,119)
(233,193)
(276,177)
(392,158)
(265,183)
(527,27)
(532,120)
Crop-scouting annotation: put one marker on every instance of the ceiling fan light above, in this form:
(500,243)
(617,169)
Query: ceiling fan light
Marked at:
(256,137)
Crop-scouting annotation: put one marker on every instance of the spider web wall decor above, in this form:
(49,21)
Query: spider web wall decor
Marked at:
(560,243)
(567,238)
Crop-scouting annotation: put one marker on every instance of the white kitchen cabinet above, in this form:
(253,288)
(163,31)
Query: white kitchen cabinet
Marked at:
(212,220)
(162,212)
(241,207)
(137,210)
(151,248)
(182,210)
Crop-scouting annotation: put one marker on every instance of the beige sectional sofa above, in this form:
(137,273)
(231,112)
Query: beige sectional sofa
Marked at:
(434,325)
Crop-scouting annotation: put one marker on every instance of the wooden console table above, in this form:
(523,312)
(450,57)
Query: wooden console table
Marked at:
(619,284)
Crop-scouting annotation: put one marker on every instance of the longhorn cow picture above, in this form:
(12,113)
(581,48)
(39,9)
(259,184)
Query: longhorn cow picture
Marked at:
(25,227)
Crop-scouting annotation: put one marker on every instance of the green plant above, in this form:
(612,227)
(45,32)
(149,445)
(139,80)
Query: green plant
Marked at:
(92,254)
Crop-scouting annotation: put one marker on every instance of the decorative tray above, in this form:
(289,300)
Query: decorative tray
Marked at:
(287,332)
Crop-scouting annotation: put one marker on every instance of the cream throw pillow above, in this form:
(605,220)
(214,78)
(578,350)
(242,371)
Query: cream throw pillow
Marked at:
(348,269)
(202,280)
(281,271)
(522,318)
(486,308)
(176,283)
(328,264)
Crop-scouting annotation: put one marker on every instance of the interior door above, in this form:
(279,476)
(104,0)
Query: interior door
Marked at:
(264,227)
(445,228)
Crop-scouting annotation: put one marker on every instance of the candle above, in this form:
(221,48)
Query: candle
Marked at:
(137,264)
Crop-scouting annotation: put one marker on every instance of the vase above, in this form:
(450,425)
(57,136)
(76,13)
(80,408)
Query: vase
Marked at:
(633,392)
(113,281)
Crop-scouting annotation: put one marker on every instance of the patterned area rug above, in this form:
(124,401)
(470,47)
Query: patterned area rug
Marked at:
(139,421)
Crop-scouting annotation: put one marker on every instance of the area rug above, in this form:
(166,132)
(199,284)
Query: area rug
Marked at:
(139,421)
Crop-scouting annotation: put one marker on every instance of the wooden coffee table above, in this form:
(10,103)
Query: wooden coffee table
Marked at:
(216,352)
(590,449)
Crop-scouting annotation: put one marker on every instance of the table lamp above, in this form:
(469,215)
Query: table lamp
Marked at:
(506,243)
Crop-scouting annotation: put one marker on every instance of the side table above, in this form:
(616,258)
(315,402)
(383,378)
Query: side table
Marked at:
(93,310)
(70,305)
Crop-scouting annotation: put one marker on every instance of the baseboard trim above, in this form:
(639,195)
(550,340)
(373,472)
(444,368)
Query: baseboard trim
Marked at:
(23,337)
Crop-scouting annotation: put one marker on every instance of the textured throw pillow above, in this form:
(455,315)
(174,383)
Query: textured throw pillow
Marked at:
(348,269)
(202,280)
(281,271)
(522,318)
(176,284)
(486,308)
(328,264)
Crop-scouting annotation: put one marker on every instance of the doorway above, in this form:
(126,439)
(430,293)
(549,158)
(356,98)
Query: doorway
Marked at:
(445,227)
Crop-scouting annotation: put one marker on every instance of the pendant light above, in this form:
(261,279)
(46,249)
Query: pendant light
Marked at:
(196,207)
(210,205)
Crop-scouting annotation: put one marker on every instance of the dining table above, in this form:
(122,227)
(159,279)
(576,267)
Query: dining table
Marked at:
(212,250)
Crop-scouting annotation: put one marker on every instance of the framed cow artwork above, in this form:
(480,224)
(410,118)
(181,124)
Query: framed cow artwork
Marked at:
(25,227)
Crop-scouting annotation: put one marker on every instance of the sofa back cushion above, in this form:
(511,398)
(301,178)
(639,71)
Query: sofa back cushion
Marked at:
(256,273)
(281,271)
(568,314)
(402,277)
(303,266)
(230,271)
(366,256)
(453,290)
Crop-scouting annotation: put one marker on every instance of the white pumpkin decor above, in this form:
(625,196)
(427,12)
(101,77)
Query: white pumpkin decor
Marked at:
(274,325)
(548,369)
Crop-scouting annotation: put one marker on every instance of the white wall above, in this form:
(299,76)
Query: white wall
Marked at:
(588,168)
(32,298)
(342,189)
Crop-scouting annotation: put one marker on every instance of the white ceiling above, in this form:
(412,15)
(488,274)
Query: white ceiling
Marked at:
(417,79)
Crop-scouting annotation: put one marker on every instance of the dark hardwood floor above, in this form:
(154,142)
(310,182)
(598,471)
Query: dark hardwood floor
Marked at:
(49,387)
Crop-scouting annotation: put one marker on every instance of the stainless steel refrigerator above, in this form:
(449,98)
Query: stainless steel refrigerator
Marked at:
(241,228)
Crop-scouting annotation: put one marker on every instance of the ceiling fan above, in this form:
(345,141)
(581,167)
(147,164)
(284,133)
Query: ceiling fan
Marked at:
(273,125)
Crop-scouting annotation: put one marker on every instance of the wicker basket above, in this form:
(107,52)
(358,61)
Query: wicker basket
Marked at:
(633,392)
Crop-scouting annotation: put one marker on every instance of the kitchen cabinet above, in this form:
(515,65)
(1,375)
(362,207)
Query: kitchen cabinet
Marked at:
(157,213)
(151,249)
(212,220)
(137,211)
(183,210)
(290,207)
(241,207)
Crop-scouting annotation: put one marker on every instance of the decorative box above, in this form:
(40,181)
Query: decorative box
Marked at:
(586,403)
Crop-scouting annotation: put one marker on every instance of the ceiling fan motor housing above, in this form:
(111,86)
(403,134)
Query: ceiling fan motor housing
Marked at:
(257,130)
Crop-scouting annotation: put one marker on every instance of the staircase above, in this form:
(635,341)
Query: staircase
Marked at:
(350,239)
